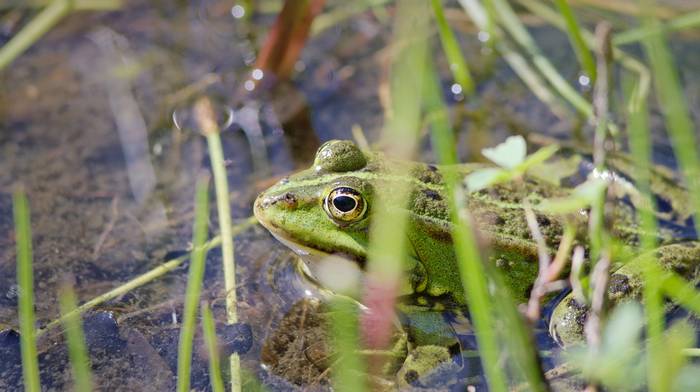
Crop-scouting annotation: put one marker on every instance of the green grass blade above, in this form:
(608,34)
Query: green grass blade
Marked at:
(348,369)
(194,284)
(458,65)
(509,20)
(686,21)
(34,30)
(207,122)
(572,28)
(640,149)
(209,330)
(77,350)
(515,60)
(675,108)
(25,280)
(471,268)
(146,277)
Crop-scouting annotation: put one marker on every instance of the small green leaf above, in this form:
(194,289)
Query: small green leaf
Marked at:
(538,157)
(580,198)
(508,154)
(483,178)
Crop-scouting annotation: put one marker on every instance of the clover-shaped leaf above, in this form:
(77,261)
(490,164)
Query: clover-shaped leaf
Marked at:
(508,154)
(512,160)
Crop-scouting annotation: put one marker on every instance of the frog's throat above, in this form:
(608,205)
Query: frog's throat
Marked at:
(311,257)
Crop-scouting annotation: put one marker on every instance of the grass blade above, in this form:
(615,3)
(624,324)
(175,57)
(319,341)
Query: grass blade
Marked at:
(348,370)
(194,284)
(471,268)
(209,330)
(146,277)
(675,108)
(77,350)
(207,121)
(458,65)
(640,149)
(572,28)
(34,30)
(691,19)
(25,280)
(510,22)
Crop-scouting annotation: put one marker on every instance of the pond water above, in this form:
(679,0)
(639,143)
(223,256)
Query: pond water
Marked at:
(86,127)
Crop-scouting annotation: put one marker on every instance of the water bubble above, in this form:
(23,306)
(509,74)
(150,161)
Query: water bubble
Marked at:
(237,11)
(456,89)
(584,80)
(299,66)
(483,36)
(184,119)
(257,74)
(249,85)
(157,149)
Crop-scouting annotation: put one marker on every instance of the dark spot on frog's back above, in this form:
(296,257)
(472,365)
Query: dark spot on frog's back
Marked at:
(428,174)
(432,195)
(619,285)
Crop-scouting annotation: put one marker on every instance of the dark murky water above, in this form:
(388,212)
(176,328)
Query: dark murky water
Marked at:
(86,127)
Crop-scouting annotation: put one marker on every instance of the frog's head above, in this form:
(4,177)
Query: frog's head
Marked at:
(325,209)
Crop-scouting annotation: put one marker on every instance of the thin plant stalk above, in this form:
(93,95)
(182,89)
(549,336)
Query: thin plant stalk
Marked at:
(25,281)
(194,284)
(471,268)
(574,31)
(35,29)
(685,21)
(75,338)
(209,331)
(142,279)
(207,122)
(450,45)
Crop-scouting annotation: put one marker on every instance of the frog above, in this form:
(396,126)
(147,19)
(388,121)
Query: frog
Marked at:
(327,210)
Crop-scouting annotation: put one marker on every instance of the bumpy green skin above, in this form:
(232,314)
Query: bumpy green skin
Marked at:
(293,211)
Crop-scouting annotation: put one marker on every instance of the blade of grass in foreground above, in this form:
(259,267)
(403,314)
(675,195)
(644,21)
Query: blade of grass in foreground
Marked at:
(209,330)
(640,149)
(25,280)
(471,268)
(673,104)
(194,284)
(77,351)
(348,370)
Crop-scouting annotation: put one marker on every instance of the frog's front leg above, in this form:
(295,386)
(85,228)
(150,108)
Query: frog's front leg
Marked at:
(432,343)
(568,319)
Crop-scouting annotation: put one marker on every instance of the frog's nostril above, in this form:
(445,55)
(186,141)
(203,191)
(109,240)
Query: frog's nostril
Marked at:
(285,200)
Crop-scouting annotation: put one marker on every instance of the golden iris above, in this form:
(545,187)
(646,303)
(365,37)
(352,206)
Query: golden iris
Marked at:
(345,204)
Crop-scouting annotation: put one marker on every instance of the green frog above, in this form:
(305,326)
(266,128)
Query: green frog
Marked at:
(327,209)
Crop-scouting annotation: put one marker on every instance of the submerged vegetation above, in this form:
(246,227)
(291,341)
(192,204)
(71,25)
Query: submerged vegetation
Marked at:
(633,346)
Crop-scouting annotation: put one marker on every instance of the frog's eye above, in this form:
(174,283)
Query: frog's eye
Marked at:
(345,204)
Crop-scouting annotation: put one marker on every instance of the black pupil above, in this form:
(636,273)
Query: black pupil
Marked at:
(344,203)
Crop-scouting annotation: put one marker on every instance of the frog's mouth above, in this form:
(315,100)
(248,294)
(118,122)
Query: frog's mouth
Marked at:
(313,258)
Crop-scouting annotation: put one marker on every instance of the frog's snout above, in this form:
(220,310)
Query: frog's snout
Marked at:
(286,200)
